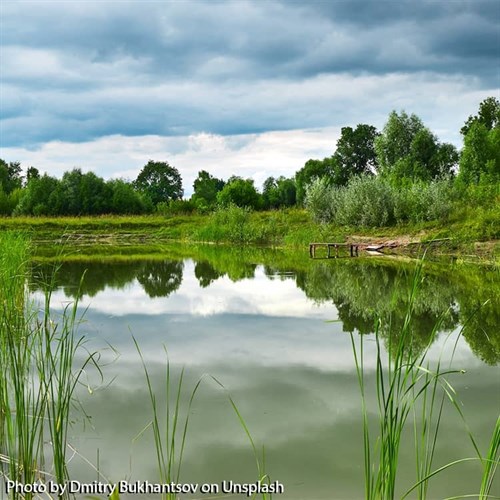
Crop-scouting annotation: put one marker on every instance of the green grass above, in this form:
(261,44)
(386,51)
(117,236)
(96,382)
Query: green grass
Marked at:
(169,434)
(170,426)
(490,463)
(38,376)
(284,228)
(411,393)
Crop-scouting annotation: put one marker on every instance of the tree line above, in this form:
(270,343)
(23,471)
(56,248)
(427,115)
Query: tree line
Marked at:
(401,165)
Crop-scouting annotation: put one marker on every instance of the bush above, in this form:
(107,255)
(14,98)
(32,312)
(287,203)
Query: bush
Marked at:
(424,201)
(369,201)
(366,201)
(229,223)
(8,202)
(176,207)
(320,200)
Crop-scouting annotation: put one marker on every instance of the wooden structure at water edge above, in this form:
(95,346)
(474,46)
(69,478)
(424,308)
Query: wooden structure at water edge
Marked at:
(353,249)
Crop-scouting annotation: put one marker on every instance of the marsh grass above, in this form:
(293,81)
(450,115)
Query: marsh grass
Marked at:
(38,376)
(411,392)
(170,434)
(170,427)
(260,459)
(490,463)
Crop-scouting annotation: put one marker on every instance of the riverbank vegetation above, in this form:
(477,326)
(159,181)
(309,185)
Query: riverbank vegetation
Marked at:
(39,374)
(401,180)
(411,395)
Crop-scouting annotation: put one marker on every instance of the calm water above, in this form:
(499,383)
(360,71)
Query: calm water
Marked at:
(260,322)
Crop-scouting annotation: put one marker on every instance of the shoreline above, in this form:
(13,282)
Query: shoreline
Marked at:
(291,230)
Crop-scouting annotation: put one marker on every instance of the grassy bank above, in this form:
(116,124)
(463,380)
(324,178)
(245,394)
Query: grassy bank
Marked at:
(468,232)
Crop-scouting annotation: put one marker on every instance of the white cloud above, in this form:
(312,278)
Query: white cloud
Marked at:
(332,100)
(254,155)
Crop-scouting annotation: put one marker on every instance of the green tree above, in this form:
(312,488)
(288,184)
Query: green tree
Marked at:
(32,173)
(488,115)
(313,169)
(407,151)
(65,199)
(240,192)
(160,181)
(10,176)
(480,157)
(279,192)
(37,195)
(355,153)
(95,195)
(125,199)
(287,190)
(394,143)
(206,188)
(270,193)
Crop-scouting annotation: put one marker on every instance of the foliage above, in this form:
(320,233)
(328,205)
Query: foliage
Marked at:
(80,194)
(239,192)
(36,198)
(321,201)
(406,150)
(9,202)
(365,201)
(10,176)
(160,181)
(394,143)
(372,202)
(176,207)
(229,223)
(481,155)
(422,201)
(488,115)
(206,188)
(313,169)
(355,153)
(126,200)
(279,192)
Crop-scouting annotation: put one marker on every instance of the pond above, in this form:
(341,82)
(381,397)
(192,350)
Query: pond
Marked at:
(274,330)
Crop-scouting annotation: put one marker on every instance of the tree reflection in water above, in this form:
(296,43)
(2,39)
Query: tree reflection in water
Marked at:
(362,290)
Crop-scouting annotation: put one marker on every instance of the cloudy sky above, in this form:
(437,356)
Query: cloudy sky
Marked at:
(253,88)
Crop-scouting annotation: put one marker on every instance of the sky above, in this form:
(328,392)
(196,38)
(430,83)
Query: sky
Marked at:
(244,87)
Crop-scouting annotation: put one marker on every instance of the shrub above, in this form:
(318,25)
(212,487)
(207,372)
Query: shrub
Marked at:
(175,207)
(229,223)
(421,201)
(320,200)
(365,201)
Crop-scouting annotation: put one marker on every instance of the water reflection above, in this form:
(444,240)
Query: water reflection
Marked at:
(160,279)
(257,321)
(361,291)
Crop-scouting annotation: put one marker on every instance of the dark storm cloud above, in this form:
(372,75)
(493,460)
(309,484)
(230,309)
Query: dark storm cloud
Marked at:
(79,70)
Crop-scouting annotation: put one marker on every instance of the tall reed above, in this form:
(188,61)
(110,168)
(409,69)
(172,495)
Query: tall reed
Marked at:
(38,376)
(170,434)
(407,387)
(490,463)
